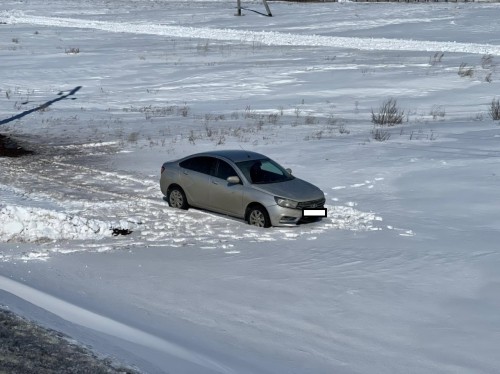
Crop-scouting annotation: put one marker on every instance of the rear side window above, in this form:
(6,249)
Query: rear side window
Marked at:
(224,170)
(201,164)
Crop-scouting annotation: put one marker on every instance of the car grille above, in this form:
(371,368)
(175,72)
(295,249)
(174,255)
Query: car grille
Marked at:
(312,204)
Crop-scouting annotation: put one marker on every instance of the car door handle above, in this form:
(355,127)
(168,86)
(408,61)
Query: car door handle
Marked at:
(185,172)
(214,181)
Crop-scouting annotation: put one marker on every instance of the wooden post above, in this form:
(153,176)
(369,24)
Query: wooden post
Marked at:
(267,8)
(238,5)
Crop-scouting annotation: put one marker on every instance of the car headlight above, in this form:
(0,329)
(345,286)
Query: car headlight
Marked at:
(285,203)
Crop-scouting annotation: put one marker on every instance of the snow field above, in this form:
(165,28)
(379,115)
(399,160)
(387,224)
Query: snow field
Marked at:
(401,277)
(155,223)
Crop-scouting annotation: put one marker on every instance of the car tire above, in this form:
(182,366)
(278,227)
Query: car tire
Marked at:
(258,216)
(176,198)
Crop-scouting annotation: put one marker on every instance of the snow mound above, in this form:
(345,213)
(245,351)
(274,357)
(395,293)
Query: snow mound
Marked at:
(348,218)
(30,224)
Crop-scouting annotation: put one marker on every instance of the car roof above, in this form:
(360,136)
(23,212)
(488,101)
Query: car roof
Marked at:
(234,155)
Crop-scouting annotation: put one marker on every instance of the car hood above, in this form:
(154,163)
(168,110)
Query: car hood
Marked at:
(295,189)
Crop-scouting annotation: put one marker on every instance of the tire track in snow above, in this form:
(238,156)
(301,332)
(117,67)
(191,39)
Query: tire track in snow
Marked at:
(97,322)
(265,37)
(104,195)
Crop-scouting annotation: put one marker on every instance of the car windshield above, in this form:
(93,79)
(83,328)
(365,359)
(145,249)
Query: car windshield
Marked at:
(263,171)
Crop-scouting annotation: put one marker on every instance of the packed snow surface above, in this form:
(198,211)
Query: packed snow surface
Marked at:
(400,277)
(264,37)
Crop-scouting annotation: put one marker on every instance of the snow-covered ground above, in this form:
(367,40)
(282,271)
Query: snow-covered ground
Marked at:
(402,276)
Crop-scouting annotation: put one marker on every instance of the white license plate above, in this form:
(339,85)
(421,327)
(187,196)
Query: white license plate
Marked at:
(314,212)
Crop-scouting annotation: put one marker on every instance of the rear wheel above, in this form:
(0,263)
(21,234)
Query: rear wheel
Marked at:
(177,198)
(258,216)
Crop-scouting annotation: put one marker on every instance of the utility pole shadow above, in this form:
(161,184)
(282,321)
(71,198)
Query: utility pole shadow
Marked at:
(62,96)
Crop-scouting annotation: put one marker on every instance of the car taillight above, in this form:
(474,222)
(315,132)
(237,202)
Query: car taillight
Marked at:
(162,169)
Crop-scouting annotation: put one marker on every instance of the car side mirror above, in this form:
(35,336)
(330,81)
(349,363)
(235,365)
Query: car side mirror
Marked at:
(233,180)
(289,171)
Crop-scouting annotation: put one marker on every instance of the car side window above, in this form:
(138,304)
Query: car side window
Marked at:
(224,170)
(201,164)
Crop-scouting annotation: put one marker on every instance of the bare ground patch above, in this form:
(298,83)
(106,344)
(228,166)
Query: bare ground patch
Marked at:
(10,148)
(28,349)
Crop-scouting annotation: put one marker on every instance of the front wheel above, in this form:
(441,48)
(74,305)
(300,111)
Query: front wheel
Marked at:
(177,198)
(258,216)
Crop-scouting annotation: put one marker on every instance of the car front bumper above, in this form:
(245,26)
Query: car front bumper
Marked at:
(281,216)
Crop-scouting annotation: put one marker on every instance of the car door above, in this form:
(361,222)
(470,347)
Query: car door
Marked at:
(225,197)
(195,177)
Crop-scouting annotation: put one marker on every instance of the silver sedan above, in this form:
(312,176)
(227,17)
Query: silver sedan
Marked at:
(242,184)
